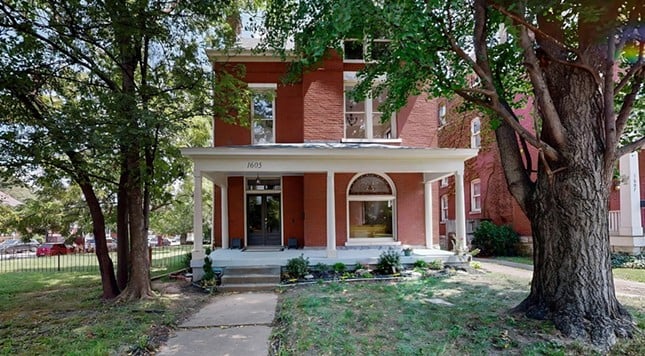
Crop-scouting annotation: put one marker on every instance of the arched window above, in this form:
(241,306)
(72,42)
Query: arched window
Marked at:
(371,207)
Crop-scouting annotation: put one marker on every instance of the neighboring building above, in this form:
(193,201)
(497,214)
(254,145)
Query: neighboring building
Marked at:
(486,193)
(487,196)
(319,170)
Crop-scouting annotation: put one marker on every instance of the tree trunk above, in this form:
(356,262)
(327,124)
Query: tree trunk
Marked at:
(123,247)
(106,267)
(572,281)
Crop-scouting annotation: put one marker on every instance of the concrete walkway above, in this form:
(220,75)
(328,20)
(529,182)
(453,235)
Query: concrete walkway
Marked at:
(623,287)
(233,324)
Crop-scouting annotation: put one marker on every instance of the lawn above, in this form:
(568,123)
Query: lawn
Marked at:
(411,318)
(61,313)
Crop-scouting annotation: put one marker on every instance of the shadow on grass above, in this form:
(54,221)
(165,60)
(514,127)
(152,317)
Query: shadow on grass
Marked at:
(461,314)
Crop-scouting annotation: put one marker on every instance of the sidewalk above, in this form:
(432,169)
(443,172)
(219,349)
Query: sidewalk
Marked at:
(623,287)
(233,324)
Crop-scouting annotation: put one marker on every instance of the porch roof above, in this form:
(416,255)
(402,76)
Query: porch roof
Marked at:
(324,157)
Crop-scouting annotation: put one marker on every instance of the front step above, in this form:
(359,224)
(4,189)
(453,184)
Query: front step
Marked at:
(250,278)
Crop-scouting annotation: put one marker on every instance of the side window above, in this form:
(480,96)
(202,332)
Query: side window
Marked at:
(475,133)
(444,208)
(442,114)
(475,196)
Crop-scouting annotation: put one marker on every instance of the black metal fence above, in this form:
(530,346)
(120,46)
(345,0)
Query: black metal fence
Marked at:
(164,259)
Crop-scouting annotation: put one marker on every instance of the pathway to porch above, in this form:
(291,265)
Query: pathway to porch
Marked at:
(348,256)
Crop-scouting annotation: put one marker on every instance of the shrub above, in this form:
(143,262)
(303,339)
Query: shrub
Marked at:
(621,260)
(495,240)
(209,274)
(420,264)
(475,265)
(389,262)
(321,267)
(185,260)
(339,268)
(298,267)
(436,264)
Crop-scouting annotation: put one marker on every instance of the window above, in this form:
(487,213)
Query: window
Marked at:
(355,50)
(444,208)
(442,114)
(475,133)
(363,120)
(370,202)
(263,113)
(475,196)
(444,182)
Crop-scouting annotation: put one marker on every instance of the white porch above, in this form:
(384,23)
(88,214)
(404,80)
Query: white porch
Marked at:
(625,226)
(218,163)
(235,258)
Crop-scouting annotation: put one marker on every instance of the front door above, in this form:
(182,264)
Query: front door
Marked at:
(263,220)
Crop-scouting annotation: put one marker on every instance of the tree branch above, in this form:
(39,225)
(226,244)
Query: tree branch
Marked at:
(608,114)
(628,105)
(630,147)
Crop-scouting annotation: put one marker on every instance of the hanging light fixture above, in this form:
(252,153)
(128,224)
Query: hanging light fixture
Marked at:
(257,180)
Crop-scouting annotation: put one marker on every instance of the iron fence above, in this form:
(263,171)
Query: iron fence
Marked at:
(163,259)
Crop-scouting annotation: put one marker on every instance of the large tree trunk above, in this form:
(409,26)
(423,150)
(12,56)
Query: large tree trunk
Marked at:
(123,247)
(572,282)
(106,267)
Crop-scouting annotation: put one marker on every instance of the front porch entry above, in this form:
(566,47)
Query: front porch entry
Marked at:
(263,220)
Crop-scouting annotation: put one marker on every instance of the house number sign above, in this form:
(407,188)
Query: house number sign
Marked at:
(254,164)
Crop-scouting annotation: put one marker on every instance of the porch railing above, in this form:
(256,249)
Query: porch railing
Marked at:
(614,221)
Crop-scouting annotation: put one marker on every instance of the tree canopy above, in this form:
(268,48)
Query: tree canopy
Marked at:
(581,62)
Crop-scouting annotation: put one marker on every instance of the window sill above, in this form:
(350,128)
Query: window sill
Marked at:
(475,212)
(367,140)
(372,241)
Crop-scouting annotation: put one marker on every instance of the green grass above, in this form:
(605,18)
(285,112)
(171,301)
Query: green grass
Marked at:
(637,275)
(401,319)
(61,313)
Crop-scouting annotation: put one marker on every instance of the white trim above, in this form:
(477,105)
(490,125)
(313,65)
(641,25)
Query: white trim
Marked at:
(442,208)
(246,55)
(374,140)
(263,86)
(475,136)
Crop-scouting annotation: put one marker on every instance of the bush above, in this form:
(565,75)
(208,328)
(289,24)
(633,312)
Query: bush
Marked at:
(321,267)
(495,240)
(621,260)
(420,264)
(389,262)
(339,268)
(298,267)
(436,264)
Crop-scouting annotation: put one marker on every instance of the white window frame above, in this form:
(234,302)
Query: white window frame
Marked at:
(442,113)
(381,197)
(475,199)
(443,209)
(264,87)
(475,136)
(351,81)
(444,182)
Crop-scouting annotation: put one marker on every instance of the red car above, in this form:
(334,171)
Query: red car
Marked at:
(51,249)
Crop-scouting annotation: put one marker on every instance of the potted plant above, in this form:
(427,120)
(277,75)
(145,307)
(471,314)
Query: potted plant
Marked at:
(407,251)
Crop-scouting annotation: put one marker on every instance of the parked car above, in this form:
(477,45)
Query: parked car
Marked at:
(52,249)
(19,246)
(90,244)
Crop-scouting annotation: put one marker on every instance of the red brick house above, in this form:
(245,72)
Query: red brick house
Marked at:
(318,170)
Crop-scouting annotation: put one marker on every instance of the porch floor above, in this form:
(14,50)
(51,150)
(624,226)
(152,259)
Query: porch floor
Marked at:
(365,255)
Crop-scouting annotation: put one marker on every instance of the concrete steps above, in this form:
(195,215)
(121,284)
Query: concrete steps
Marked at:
(250,278)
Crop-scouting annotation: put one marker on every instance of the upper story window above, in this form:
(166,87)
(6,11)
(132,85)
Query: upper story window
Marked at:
(364,121)
(444,182)
(357,50)
(475,196)
(442,113)
(262,113)
(475,133)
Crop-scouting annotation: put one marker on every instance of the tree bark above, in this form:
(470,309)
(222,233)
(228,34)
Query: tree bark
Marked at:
(572,281)
(123,247)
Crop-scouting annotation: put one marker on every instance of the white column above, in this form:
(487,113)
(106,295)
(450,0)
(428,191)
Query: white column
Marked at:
(331,216)
(427,193)
(197,261)
(630,195)
(460,209)
(224,213)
